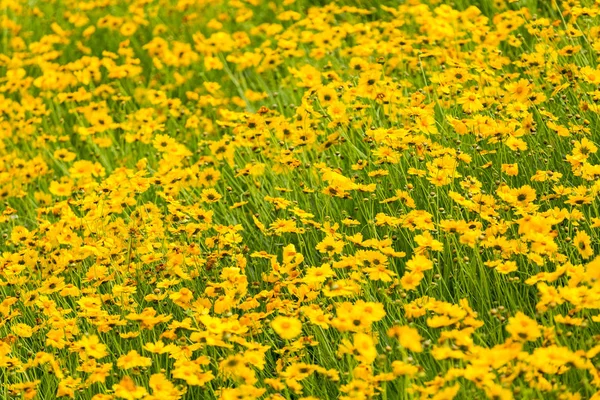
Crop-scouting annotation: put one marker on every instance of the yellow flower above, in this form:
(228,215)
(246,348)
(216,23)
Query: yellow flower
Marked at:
(583,244)
(362,348)
(287,327)
(132,360)
(92,346)
(521,327)
(330,245)
(61,189)
(163,389)
(510,169)
(64,155)
(210,196)
(22,330)
(128,390)
(409,337)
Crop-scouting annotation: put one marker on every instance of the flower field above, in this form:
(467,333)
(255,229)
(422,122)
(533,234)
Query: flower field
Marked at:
(244,199)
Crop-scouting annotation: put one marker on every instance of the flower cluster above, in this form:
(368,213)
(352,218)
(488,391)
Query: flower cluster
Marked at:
(238,199)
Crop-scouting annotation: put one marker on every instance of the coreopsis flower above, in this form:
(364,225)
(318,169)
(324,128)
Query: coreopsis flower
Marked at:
(127,389)
(330,245)
(510,169)
(287,327)
(362,347)
(583,244)
(92,347)
(22,330)
(210,196)
(133,360)
(523,328)
(408,337)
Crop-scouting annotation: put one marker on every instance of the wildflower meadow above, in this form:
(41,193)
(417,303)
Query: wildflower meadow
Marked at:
(299,200)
